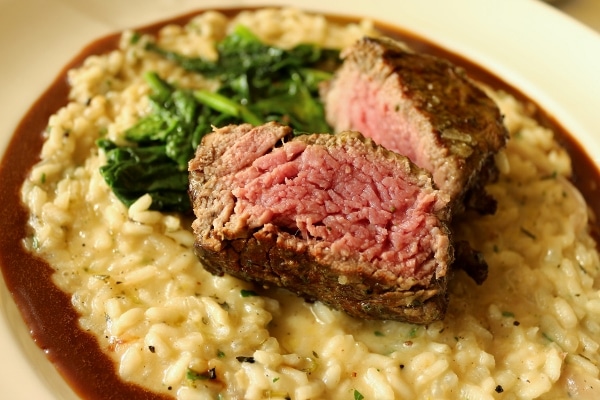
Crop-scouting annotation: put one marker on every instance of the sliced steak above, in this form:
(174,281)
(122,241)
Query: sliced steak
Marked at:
(334,218)
(424,108)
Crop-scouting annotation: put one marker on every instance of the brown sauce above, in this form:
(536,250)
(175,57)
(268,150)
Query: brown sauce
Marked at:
(47,311)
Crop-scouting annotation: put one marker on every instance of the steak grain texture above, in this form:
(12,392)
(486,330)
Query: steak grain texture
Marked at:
(334,218)
(424,108)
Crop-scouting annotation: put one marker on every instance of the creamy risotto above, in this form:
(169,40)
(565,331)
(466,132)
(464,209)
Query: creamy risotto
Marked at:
(531,330)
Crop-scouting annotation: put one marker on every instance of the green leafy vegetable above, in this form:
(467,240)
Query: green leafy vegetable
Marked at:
(266,83)
(134,171)
(257,83)
(195,375)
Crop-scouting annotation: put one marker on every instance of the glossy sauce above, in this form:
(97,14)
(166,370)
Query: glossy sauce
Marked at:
(48,312)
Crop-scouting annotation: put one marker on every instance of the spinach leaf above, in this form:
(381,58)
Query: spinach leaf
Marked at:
(257,83)
(162,143)
(133,171)
(173,121)
(267,83)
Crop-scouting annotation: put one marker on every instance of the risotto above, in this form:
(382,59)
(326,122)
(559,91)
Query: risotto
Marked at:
(531,330)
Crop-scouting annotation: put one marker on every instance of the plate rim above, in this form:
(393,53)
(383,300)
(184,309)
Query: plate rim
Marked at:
(14,345)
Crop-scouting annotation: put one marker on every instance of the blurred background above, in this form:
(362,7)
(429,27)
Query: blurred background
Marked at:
(586,11)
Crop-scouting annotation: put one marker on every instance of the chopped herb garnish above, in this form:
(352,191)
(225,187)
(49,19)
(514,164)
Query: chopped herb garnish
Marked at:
(245,359)
(378,333)
(547,337)
(528,233)
(220,354)
(195,375)
(358,395)
(508,314)
(413,332)
(43,178)
(311,365)
(248,293)
(275,379)
(553,175)
(135,37)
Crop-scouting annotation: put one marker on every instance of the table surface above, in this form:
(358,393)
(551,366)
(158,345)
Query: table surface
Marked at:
(586,11)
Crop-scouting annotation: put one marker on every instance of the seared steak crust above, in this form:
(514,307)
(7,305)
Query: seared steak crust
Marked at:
(334,218)
(272,257)
(423,107)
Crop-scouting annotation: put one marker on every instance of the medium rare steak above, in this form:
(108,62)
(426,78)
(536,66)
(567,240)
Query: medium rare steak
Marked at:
(424,108)
(334,218)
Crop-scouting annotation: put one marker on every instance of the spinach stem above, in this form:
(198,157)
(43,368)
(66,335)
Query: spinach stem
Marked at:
(161,88)
(224,105)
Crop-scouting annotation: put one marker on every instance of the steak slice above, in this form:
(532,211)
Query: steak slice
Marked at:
(422,107)
(334,218)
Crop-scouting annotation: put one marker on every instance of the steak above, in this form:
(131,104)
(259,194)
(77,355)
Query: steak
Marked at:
(335,218)
(423,107)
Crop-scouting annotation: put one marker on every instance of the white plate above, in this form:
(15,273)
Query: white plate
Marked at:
(548,56)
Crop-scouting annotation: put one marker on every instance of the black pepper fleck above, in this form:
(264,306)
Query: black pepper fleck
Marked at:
(212,373)
(499,389)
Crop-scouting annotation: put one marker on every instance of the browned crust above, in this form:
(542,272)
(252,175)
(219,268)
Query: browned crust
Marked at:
(273,258)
